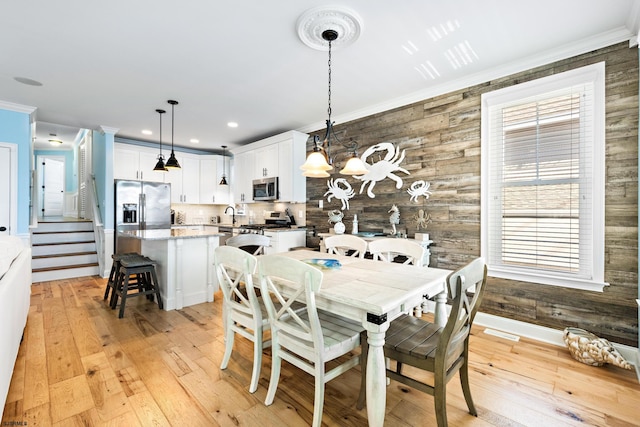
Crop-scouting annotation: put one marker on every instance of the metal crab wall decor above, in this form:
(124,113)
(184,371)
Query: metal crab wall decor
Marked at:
(341,190)
(383,168)
(419,188)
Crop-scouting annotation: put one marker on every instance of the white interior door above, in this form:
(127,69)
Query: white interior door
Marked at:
(52,185)
(5,190)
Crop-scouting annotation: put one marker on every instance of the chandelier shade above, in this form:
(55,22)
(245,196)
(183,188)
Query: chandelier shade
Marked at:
(354,166)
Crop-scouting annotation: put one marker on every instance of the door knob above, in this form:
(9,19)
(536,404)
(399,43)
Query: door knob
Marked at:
(3,228)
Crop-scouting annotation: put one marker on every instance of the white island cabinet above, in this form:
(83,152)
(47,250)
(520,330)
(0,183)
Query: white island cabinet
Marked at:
(184,260)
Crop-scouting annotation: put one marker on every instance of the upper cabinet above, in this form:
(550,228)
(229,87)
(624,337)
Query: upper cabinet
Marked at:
(278,156)
(211,170)
(266,161)
(135,163)
(196,182)
(185,182)
(242,177)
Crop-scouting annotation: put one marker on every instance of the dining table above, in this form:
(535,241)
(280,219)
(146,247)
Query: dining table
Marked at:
(374,293)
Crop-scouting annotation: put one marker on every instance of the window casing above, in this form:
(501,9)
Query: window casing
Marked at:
(543,180)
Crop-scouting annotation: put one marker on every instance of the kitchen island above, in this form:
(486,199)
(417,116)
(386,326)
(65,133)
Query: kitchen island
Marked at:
(184,258)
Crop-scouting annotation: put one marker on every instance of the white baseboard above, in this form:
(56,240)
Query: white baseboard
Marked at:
(547,335)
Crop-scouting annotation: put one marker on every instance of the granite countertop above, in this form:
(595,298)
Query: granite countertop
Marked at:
(167,234)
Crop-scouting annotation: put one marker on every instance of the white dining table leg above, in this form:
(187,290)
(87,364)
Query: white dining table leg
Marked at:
(376,374)
(441,309)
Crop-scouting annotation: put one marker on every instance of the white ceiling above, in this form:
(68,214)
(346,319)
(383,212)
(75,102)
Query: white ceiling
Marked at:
(113,63)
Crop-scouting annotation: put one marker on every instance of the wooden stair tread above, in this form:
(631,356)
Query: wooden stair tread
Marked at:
(64,254)
(62,232)
(64,267)
(63,243)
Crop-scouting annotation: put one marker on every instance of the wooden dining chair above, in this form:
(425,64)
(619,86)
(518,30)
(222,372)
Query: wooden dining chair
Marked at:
(307,339)
(252,243)
(388,248)
(340,244)
(242,311)
(441,350)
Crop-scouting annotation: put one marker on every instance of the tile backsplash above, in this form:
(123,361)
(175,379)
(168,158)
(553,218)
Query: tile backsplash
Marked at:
(248,213)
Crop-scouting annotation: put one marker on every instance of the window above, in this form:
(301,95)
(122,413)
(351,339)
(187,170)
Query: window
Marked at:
(543,180)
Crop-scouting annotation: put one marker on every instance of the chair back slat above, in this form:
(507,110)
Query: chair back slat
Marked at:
(340,244)
(234,269)
(257,242)
(286,281)
(387,249)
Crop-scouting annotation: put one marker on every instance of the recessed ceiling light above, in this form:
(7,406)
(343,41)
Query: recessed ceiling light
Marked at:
(147,132)
(232,124)
(194,141)
(27,81)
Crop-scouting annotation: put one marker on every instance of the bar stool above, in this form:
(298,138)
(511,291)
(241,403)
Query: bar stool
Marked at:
(113,275)
(146,281)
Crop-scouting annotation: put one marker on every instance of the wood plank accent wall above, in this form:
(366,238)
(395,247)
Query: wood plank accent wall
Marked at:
(441,137)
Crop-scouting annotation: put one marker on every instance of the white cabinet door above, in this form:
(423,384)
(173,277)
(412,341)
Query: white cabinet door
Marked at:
(174,177)
(190,179)
(185,182)
(135,163)
(223,192)
(266,162)
(291,155)
(126,163)
(148,160)
(242,178)
(211,170)
(208,179)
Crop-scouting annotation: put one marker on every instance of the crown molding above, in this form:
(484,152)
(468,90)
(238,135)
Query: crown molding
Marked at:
(19,108)
(589,44)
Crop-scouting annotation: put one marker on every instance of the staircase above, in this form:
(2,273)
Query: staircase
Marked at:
(63,249)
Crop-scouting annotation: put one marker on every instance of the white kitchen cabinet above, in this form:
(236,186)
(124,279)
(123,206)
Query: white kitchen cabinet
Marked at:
(284,241)
(266,162)
(211,170)
(291,155)
(277,156)
(185,182)
(242,177)
(135,163)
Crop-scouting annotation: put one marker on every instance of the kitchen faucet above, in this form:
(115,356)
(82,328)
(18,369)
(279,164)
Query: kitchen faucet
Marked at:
(233,214)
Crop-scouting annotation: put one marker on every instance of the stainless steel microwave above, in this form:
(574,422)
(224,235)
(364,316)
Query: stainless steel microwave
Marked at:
(265,189)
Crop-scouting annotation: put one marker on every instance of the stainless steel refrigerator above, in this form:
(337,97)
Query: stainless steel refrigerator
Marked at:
(140,205)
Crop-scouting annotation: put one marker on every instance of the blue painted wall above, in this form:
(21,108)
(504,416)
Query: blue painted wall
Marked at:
(15,129)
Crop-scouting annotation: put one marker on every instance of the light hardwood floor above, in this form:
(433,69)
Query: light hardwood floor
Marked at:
(81,365)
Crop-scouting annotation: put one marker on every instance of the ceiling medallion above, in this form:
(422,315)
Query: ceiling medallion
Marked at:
(314,22)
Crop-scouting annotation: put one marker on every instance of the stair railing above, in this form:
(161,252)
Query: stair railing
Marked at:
(98,225)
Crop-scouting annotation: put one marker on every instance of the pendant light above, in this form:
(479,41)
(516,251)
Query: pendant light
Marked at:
(172,162)
(160,166)
(319,161)
(223,181)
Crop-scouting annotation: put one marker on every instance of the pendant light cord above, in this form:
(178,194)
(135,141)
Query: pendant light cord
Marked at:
(329,93)
(172,108)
